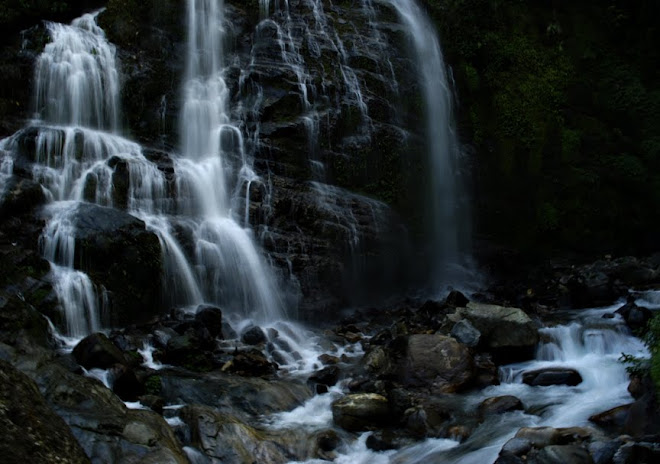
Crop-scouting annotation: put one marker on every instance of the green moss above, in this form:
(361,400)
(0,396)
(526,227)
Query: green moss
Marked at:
(153,385)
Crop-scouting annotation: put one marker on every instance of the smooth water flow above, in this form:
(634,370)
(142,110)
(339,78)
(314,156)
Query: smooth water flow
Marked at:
(77,99)
(208,255)
(587,342)
(77,82)
(447,214)
(227,267)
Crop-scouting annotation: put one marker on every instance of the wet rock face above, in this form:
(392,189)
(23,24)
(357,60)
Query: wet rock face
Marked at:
(117,251)
(552,376)
(105,429)
(31,431)
(97,351)
(361,411)
(499,405)
(320,99)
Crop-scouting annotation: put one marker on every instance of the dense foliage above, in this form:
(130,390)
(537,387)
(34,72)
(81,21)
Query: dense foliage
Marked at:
(653,342)
(561,101)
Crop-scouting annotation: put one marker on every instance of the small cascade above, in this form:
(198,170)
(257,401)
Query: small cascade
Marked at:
(192,204)
(77,100)
(77,81)
(586,342)
(301,42)
(447,213)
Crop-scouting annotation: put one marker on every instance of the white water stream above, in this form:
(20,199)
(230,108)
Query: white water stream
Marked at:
(586,342)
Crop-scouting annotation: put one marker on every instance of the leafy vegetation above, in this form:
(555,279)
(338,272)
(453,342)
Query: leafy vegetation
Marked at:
(641,367)
(561,101)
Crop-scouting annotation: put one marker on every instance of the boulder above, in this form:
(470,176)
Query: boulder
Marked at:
(602,452)
(187,350)
(20,196)
(251,363)
(118,252)
(552,376)
(361,411)
(456,299)
(465,333)
(637,453)
(516,446)
(239,396)
(97,351)
(254,335)
(561,454)
(210,317)
(31,431)
(21,325)
(499,405)
(126,385)
(508,333)
(438,361)
(508,458)
(636,317)
(540,437)
(227,439)
(327,376)
(104,427)
(613,419)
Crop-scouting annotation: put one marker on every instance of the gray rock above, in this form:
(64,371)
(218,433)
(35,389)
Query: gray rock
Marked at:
(602,452)
(561,454)
(98,351)
(637,453)
(517,446)
(499,405)
(118,252)
(465,333)
(211,318)
(612,419)
(253,336)
(437,360)
(31,431)
(227,439)
(503,328)
(552,376)
(106,430)
(361,411)
(540,437)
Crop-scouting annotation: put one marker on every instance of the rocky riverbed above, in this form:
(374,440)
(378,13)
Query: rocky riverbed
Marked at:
(196,385)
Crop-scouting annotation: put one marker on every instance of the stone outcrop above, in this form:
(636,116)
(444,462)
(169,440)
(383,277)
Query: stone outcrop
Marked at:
(31,431)
(508,333)
(361,411)
(438,361)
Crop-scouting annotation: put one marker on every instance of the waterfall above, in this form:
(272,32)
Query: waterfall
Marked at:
(77,108)
(228,268)
(446,215)
(76,152)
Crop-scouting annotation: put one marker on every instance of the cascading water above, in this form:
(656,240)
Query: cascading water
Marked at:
(77,96)
(447,214)
(227,266)
(587,343)
(208,257)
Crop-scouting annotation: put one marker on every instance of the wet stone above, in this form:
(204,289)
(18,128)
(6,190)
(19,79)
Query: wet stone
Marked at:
(253,336)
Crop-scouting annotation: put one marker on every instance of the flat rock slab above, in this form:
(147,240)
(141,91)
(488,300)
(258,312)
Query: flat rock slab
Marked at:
(552,376)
